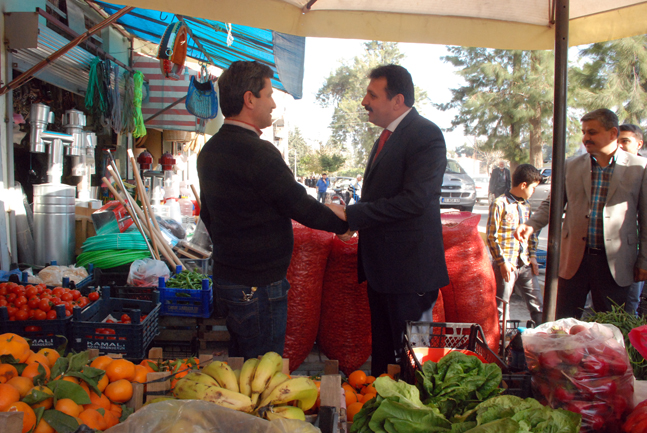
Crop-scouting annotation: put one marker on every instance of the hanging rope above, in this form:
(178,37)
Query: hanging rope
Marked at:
(128,112)
(115,100)
(140,129)
(94,97)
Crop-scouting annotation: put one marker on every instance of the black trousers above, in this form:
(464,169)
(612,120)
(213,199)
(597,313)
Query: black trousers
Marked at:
(593,276)
(389,314)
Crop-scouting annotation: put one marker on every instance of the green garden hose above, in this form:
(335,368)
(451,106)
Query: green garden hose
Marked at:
(107,259)
(115,241)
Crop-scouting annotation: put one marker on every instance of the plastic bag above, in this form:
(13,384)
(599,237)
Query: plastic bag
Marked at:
(195,416)
(146,273)
(587,372)
(53,275)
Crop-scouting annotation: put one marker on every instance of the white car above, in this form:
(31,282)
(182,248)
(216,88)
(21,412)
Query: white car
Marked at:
(482,184)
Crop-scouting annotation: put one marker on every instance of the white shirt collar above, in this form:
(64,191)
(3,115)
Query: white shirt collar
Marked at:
(243,125)
(397,121)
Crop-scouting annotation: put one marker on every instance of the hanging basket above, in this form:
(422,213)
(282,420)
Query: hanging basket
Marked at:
(172,50)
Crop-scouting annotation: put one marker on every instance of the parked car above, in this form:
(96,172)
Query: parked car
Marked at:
(458,190)
(482,184)
(542,191)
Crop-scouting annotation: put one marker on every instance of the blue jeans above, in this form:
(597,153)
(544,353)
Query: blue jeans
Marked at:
(256,321)
(633,297)
(321,196)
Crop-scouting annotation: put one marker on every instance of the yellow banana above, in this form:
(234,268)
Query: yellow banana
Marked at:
(269,364)
(246,376)
(301,389)
(187,389)
(237,373)
(196,376)
(223,374)
(158,399)
(284,412)
(276,380)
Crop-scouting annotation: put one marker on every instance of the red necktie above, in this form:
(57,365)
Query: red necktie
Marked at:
(380,144)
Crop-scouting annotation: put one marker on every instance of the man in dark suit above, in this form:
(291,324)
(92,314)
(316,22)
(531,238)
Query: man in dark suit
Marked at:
(400,235)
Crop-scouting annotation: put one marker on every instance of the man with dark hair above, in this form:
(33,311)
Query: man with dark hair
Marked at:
(249,197)
(499,180)
(515,263)
(601,252)
(400,249)
(630,138)
(322,186)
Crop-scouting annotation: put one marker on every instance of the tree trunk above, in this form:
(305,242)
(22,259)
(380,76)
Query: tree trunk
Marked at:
(536,156)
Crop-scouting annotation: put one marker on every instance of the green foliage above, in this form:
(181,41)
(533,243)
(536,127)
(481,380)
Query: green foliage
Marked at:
(507,100)
(297,145)
(612,78)
(330,163)
(344,90)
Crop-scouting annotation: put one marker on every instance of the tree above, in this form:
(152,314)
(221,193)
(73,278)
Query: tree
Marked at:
(612,78)
(344,90)
(507,100)
(299,149)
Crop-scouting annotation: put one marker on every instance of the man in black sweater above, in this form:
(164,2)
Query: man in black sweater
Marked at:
(249,197)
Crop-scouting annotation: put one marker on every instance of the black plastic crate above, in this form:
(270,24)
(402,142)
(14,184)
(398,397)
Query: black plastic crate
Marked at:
(129,292)
(179,349)
(460,336)
(111,277)
(42,333)
(517,384)
(129,339)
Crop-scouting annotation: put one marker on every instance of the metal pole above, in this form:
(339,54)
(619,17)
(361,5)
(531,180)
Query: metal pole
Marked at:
(559,148)
(76,41)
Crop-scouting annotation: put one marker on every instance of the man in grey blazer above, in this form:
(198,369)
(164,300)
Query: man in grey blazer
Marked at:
(605,193)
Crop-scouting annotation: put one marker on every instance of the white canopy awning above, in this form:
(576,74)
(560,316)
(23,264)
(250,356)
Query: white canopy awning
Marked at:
(506,24)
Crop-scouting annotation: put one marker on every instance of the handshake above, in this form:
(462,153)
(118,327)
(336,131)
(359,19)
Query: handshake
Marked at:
(340,211)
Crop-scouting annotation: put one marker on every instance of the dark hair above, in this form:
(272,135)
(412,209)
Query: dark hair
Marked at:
(606,117)
(239,78)
(324,174)
(398,81)
(634,129)
(525,173)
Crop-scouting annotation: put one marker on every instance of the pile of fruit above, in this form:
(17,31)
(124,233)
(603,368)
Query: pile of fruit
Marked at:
(259,388)
(38,302)
(58,394)
(358,389)
(584,369)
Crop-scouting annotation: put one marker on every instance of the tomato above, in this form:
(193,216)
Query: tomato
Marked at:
(51,315)
(68,306)
(93,296)
(3,290)
(125,317)
(75,294)
(83,302)
(24,307)
(20,301)
(57,291)
(18,290)
(40,315)
(3,302)
(31,313)
(32,328)
(11,310)
(56,301)
(33,302)
(68,313)
(31,291)
(67,297)
(11,297)
(22,315)
(45,305)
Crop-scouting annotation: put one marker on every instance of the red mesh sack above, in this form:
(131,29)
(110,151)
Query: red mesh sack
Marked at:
(470,296)
(305,275)
(345,323)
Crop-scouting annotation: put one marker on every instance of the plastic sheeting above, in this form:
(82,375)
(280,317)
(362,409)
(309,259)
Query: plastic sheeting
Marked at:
(282,52)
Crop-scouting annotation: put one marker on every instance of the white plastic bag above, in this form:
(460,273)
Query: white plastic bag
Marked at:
(146,273)
(196,416)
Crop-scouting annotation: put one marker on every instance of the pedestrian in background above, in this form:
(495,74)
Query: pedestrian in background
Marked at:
(500,181)
(322,186)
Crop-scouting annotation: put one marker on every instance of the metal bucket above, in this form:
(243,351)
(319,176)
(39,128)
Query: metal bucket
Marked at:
(54,219)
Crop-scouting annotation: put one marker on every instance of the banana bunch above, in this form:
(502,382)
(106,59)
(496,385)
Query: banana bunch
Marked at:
(260,387)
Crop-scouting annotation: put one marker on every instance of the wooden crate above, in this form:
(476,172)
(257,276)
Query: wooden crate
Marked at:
(84,227)
(212,330)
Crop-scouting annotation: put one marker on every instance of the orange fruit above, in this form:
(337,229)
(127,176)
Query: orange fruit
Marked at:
(120,391)
(116,409)
(22,384)
(103,383)
(111,419)
(14,345)
(51,355)
(68,407)
(43,427)
(101,400)
(93,406)
(370,379)
(368,389)
(8,396)
(28,415)
(357,379)
(352,410)
(83,384)
(366,397)
(31,370)
(351,397)
(140,374)
(146,363)
(47,404)
(93,419)
(101,362)
(7,371)
(38,357)
(120,369)
(71,379)
(387,374)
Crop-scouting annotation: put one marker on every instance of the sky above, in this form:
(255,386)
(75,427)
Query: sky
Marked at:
(323,56)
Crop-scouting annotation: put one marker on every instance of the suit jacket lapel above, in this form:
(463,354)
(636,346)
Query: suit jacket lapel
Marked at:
(618,172)
(584,169)
(393,139)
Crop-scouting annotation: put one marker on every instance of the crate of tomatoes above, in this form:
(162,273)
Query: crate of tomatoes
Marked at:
(39,313)
(116,325)
(581,367)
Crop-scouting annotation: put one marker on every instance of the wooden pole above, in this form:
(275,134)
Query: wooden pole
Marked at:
(148,213)
(197,196)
